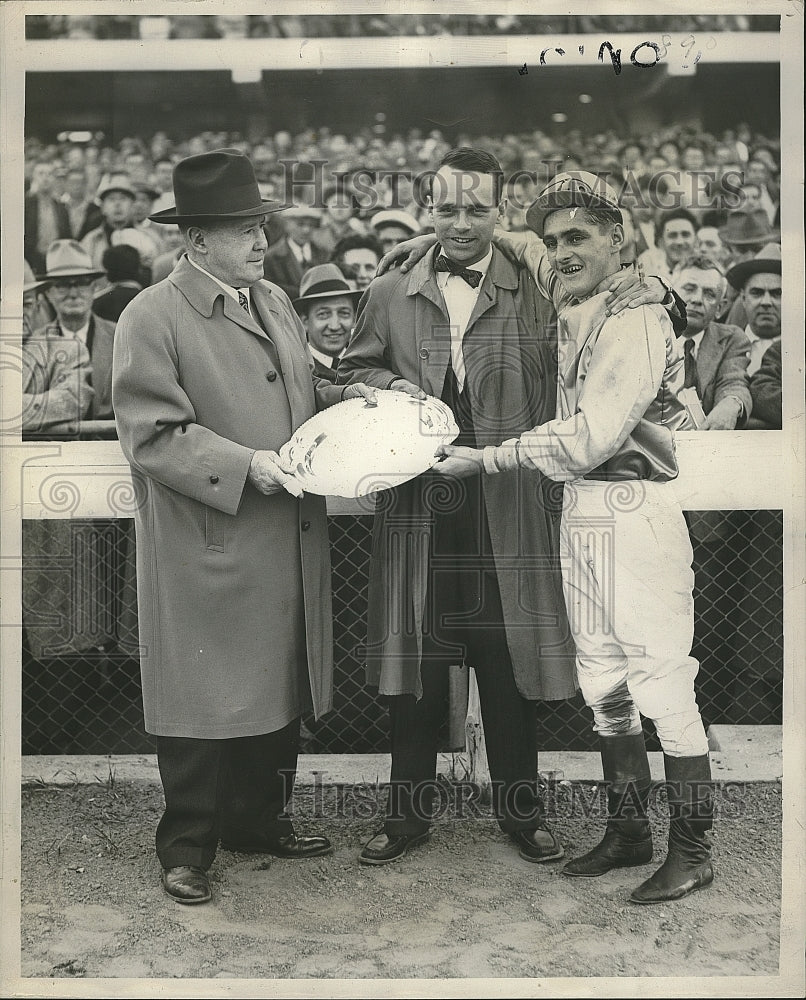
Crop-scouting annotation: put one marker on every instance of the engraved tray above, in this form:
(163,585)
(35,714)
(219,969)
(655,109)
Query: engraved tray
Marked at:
(351,449)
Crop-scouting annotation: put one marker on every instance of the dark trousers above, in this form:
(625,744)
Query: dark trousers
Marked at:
(223,789)
(463,622)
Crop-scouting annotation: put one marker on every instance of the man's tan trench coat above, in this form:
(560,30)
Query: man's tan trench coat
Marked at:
(233,586)
(509,348)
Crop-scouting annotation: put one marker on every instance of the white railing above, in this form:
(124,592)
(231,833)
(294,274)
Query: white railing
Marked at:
(64,479)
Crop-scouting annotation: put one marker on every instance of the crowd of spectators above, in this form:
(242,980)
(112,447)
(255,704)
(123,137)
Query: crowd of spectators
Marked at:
(74,26)
(351,197)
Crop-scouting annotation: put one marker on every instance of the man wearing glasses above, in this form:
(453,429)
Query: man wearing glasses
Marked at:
(71,285)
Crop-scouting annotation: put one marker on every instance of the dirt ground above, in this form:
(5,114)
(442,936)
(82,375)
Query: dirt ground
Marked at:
(463,905)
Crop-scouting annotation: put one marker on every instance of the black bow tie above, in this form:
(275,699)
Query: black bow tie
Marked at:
(473,278)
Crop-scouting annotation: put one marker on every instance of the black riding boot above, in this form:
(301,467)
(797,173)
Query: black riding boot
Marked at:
(628,839)
(691,811)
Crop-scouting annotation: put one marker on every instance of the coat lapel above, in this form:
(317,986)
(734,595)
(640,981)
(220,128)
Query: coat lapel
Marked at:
(708,358)
(500,274)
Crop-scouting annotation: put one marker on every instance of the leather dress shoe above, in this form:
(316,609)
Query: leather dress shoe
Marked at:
(290,846)
(539,844)
(187,884)
(382,848)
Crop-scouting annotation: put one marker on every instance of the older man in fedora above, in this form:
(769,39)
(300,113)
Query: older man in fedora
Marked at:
(211,376)
(326,305)
(71,282)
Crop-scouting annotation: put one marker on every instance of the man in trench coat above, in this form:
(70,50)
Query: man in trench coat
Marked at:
(466,561)
(211,376)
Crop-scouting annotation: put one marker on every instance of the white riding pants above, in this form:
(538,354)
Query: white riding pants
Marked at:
(627,577)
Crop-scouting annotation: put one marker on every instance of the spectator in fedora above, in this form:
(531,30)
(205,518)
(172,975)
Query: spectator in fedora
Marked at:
(116,198)
(286,261)
(71,281)
(758,282)
(746,232)
(326,305)
(393,226)
(55,370)
(211,376)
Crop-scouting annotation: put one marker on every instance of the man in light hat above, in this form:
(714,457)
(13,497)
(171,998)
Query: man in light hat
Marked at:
(116,197)
(211,377)
(71,283)
(624,545)
(55,370)
(392,226)
(758,282)
(326,305)
(287,260)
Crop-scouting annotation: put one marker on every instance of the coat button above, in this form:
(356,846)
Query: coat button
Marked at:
(271,376)
(213,480)
(305,525)
(424,352)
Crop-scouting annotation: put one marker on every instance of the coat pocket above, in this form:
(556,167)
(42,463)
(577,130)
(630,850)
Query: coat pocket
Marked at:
(215,529)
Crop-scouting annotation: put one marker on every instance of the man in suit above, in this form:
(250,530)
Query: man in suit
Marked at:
(83,211)
(326,306)
(675,238)
(758,282)
(55,372)
(211,376)
(45,218)
(287,260)
(71,280)
(716,356)
(465,326)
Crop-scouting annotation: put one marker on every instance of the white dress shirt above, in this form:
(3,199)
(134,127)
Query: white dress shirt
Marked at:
(232,292)
(302,253)
(758,347)
(460,300)
(80,334)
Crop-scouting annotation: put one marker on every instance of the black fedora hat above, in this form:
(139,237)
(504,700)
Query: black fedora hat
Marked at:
(220,184)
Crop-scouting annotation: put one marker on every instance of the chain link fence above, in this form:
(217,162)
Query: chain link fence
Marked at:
(81,682)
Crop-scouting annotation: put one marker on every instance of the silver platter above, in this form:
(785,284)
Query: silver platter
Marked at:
(351,449)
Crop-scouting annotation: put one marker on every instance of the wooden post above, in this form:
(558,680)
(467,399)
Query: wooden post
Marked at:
(474,738)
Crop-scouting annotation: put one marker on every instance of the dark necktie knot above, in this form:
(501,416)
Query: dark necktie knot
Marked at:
(243,301)
(473,278)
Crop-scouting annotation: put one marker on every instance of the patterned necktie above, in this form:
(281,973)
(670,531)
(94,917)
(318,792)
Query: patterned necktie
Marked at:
(691,364)
(473,278)
(243,301)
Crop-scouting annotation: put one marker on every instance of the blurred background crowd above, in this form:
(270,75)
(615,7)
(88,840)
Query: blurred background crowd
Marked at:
(352,25)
